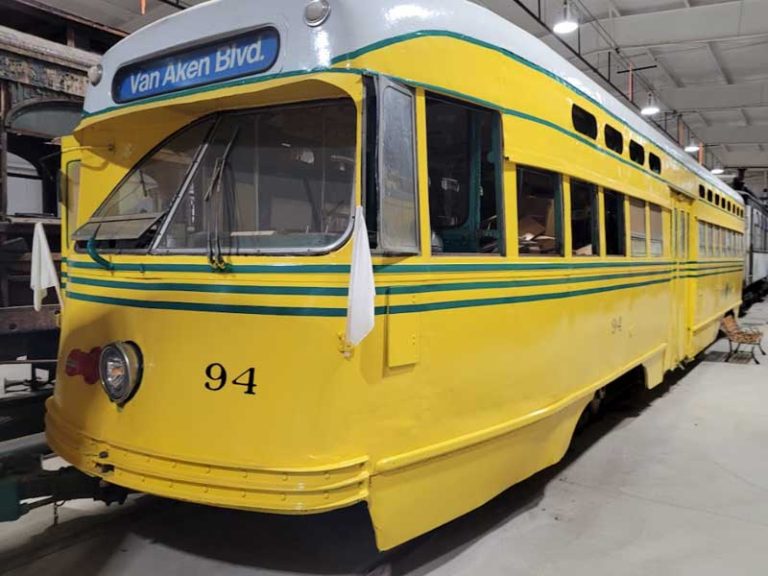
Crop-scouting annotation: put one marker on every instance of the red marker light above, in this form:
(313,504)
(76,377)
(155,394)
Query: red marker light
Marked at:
(85,364)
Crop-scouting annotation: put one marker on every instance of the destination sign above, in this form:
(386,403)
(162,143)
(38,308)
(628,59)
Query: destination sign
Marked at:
(244,55)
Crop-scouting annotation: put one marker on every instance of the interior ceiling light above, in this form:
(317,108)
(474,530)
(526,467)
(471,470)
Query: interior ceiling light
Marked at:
(692,147)
(651,108)
(568,22)
(717,171)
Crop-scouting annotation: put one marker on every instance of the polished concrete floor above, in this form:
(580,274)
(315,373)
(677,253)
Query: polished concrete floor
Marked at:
(672,483)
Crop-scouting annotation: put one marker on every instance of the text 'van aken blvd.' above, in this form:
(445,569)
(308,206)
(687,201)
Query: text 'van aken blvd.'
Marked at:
(251,54)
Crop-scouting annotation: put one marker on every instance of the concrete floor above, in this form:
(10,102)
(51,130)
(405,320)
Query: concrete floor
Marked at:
(674,483)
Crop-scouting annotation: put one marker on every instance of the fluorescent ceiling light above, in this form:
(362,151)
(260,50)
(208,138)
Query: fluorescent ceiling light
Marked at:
(651,108)
(692,147)
(567,23)
(717,171)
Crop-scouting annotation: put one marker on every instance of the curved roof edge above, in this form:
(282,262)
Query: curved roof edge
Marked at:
(355,25)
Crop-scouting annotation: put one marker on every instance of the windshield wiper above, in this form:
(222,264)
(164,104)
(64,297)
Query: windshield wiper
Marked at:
(215,257)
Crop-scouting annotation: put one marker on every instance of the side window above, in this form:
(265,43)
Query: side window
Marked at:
(702,192)
(637,226)
(615,243)
(464,157)
(72,197)
(613,139)
(636,152)
(539,213)
(584,219)
(584,122)
(709,195)
(702,239)
(654,162)
(398,213)
(657,231)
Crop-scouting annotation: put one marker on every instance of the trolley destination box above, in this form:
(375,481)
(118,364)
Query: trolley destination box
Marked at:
(244,55)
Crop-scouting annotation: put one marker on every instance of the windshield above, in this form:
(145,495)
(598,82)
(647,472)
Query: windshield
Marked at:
(142,198)
(272,180)
(280,179)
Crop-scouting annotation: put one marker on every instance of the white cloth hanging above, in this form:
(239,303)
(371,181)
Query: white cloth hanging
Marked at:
(361,307)
(43,274)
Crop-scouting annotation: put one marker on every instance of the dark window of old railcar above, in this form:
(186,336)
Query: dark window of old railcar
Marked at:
(615,234)
(613,139)
(584,121)
(709,195)
(702,192)
(636,152)
(539,213)
(654,162)
(464,158)
(584,219)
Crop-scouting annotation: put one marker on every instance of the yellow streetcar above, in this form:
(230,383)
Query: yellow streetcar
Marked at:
(320,253)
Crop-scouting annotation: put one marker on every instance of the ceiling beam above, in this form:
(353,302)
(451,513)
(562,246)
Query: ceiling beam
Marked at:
(716,97)
(724,134)
(695,25)
(744,158)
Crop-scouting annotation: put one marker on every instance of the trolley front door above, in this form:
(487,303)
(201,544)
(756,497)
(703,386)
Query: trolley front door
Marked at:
(681,251)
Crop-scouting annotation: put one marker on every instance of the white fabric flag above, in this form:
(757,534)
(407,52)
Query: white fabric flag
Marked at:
(361,308)
(43,274)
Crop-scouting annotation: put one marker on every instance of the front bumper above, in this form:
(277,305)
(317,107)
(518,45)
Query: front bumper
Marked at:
(244,487)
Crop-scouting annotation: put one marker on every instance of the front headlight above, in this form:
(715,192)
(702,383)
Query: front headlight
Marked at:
(120,370)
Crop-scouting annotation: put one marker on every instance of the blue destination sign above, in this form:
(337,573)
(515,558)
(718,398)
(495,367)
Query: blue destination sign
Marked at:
(244,55)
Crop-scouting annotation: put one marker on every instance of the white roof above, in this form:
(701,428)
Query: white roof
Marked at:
(355,24)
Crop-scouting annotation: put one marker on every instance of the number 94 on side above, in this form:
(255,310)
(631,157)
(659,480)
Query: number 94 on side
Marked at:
(218,379)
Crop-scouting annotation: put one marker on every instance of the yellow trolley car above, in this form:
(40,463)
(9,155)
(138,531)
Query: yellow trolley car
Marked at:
(532,240)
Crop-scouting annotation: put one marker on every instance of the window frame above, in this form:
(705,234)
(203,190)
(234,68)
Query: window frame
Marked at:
(637,149)
(621,225)
(646,228)
(412,246)
(559,206)
(615,134)
(595,218)
(497,143)
(584,117)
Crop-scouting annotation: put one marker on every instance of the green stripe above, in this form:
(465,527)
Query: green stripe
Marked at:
(525,62)
(343,292)
(404,38)
(341,312)
(225,308)
(380,269)
(718,273)
(437,306)
(212,288)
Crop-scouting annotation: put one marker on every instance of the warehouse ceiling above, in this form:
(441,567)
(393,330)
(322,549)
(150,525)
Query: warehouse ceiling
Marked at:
(706,60)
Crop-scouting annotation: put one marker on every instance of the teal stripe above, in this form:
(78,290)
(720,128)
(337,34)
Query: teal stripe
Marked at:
(342,292)
(431,288)
(718,273)
(404,38)
(525,62)
(380,269)
(437,306)
(221,308)
(212,288)
(206,268)
(341,312)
